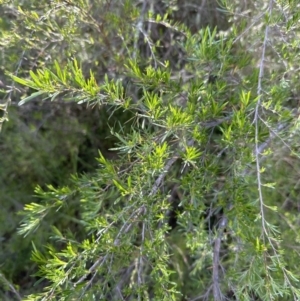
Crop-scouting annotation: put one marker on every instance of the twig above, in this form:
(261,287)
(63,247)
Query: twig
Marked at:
(140,260)
(204,296)
(218,296)
(99,262)
(4,107)
(273,134)
(161,177)
(139,28)
(11,287)
(249,27)
(258,150)
(256,120)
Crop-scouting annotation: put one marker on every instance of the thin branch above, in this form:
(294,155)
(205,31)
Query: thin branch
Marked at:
(4,107)
(256,122)
(11,287)
(140,259)
(258,149)
(139,26)
(161,177)
(265,144)
(249,27)
(204,296)
(217,293)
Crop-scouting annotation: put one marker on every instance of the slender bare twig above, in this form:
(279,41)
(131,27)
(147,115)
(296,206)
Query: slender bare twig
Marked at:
(140,261)
(204,296)
(274,133)
(4,107)
(98,263)
(161,177)
(217,293)
(249,27)
(11,287)
(257,152)
(256,122)
(139,29)
(258,149)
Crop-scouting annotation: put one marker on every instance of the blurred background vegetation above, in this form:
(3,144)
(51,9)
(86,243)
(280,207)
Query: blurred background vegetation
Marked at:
(44,143)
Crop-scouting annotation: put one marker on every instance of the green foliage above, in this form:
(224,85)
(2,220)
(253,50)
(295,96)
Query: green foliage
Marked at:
(186,199)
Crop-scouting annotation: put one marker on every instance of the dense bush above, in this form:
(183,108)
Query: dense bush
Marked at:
(160,140)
